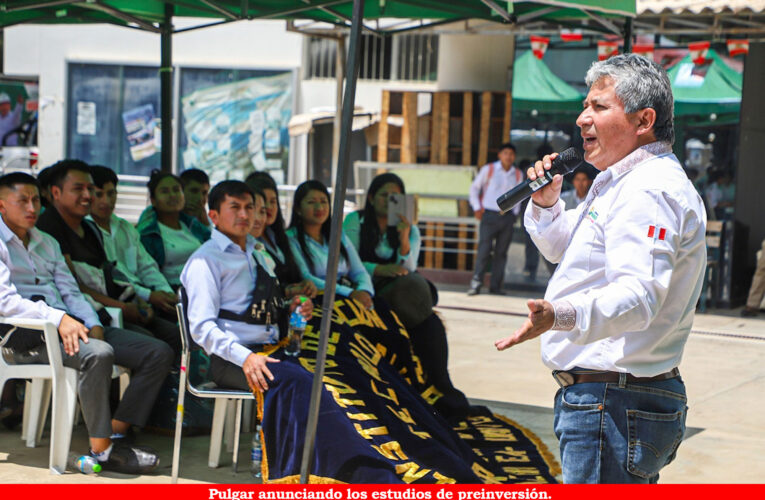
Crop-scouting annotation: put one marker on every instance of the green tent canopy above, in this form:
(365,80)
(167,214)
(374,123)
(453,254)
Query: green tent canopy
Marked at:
(147,14)
(535,87)
(697,94)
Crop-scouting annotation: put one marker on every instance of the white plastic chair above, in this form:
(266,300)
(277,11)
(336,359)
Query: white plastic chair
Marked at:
(52,379)
(223,399)
(38,395)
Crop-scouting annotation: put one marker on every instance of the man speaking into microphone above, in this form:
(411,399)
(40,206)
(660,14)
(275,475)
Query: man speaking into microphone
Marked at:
(619,308)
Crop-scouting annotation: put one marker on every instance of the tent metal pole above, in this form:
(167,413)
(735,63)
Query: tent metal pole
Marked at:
(339,74)
(166,89)
(344,155)
(627,35)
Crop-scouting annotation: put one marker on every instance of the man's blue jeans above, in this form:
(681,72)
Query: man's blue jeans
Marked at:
(619,433)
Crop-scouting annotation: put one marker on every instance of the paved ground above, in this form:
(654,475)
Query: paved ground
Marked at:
(724,369)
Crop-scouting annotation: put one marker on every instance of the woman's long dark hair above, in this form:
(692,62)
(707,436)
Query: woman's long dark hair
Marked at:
(288,272)
(370,230)
(297,222)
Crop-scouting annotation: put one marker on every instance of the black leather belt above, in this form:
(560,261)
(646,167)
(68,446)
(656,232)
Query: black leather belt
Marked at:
(567,378)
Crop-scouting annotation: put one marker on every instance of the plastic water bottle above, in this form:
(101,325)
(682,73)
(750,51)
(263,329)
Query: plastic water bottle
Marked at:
(256,454)
(84,463)
(296,330)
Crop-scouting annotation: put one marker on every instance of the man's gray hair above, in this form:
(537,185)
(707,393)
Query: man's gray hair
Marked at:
(639,84)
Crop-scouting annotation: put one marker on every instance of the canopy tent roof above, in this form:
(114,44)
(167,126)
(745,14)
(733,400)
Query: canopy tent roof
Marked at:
(148,14)
(536,87)
(718,91)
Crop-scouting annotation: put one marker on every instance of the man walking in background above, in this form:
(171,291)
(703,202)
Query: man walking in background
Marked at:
(495,231)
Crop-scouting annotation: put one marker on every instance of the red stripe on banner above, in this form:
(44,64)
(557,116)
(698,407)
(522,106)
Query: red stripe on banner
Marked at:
(662,233)
(651,230)
(379,491)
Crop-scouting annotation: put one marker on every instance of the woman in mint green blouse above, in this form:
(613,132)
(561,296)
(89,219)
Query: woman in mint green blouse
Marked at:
(390,254)
(309,241)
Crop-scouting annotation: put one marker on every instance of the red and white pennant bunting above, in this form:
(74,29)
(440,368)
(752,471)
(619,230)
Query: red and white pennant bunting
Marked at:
(738,47)
(539,45)
(571,35)
(607,49)
(699,51)
(644,49)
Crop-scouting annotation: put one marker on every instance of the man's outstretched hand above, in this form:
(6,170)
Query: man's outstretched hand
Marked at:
(541,318)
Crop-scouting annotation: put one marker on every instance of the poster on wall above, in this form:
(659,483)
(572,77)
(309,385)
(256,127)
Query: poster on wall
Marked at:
(142,132)
(237,128)
(86,118)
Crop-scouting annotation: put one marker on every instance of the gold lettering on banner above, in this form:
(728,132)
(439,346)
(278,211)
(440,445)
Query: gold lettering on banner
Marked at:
(487,476)
(521,471)
(339,316)
(431,394)
(511,455)
(338,386)
(479,420)
(389,394)
(391,450)
(462,435)
(419,434)
(441,479)
(361,416)
(377,320)
(359,316)
(367,356)
(372,431)
(497,433)
(418,371)
(411,472)
(345,403)
(312,343)
(402,414)
(310,364)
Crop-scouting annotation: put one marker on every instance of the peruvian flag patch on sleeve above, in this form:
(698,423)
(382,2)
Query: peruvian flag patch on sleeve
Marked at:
(657,232)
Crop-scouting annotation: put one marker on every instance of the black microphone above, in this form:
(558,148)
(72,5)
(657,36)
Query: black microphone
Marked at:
(565,163)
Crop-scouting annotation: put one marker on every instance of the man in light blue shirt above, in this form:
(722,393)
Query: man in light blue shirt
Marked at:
(45,288)
(221,276)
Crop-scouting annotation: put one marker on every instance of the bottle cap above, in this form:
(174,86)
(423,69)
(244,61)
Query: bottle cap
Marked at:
(97,468)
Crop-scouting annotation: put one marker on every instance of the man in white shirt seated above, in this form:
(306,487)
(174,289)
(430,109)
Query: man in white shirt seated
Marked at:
(220,280)
(36,283)
(619,309)
(495,231)
(123,247)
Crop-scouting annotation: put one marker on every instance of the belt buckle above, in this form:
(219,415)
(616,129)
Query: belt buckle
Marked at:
(563,378)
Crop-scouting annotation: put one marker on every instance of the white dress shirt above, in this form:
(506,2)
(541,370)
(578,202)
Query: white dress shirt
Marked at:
(39,269)
(484,191)
(352,229)
(632,258)
(123,245)
(220,275)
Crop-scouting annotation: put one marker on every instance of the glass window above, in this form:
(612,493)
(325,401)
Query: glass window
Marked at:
(112,116)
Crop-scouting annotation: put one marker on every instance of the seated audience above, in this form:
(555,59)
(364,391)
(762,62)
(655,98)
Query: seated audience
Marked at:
(167,233)
(196,186)
(35,282)
(122,245)
(274,237)
(223,281)
(83,248)
(720,195)
(309,240)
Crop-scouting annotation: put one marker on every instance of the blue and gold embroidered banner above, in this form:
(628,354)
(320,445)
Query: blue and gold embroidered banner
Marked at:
(377,423)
